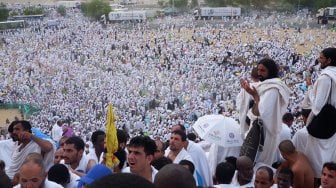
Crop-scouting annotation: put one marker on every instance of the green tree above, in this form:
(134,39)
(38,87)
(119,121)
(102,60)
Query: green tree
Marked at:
(4,12)
(324,3)
(96,8)
(33,11)
(194,3)
(313,4)
(179,4)
(61,10)
(224,3)
(161,3)
(260,4)
(214,3)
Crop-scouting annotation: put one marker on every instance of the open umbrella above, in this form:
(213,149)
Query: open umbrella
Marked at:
(219,129)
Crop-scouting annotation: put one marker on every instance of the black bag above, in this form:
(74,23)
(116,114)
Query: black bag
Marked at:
(323,125)
(254,140)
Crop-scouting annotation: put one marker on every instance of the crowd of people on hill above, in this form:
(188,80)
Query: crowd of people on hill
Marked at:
(160,80)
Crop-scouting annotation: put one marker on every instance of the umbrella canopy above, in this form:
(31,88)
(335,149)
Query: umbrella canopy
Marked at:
(219,129)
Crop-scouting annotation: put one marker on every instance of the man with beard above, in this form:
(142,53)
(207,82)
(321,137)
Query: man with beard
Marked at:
(176,151)
(199,158)
(271,99)
(141,151)
(25,143)
(320,151)
(77,162)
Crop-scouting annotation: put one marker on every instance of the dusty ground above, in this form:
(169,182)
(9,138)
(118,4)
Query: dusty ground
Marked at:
(9,114)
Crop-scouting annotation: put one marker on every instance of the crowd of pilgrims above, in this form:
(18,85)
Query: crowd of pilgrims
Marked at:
(157,76)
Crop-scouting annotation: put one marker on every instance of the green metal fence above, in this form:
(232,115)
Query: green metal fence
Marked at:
(26,109)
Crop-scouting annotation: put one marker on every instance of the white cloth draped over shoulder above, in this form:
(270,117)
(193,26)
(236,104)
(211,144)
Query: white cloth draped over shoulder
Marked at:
(317,150)
(19,155)
(300,139)
(243,100)
(182,155)
(274,97)
(6,151)
(201,163)
(217,154)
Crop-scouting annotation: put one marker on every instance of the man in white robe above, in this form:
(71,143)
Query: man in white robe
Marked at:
(317,150)
(218,154)
(271,99)
(26,143)
(57,131)
(199,157)
(300,137)
(176,151)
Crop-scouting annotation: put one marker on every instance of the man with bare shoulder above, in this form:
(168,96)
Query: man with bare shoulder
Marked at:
(298,163)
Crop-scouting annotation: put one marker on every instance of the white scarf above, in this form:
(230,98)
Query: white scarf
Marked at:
(275,83)
(18,157)
(331,72)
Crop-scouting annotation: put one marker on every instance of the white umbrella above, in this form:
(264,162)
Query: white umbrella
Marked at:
(219,129)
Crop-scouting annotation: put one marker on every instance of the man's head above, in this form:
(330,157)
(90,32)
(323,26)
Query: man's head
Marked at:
(10,128)
(327,57)
(32,172)
(178,127)
(174,175)
(18,128)
(188,165)
(73,150)
(305,113)
(245,168)
(141,151)
(264,177)
(328,178)
(59,173)
(97,139)
(285,178)
(58,156)
(160,149)
(122,138)
(59,123)
(161,162)
(267,69)
(288,119)
(286,148)
(192,137)
(177,140)
(224,172)
(254,74)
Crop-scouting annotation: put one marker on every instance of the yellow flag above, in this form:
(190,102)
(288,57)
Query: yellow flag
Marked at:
(111,139)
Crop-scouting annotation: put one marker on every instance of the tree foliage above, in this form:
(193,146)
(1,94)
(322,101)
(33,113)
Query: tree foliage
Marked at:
(261,4)
(194,3)
(179,4)
(96,8)
(218,3)
(33,11)
(4,12)
(61,10)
